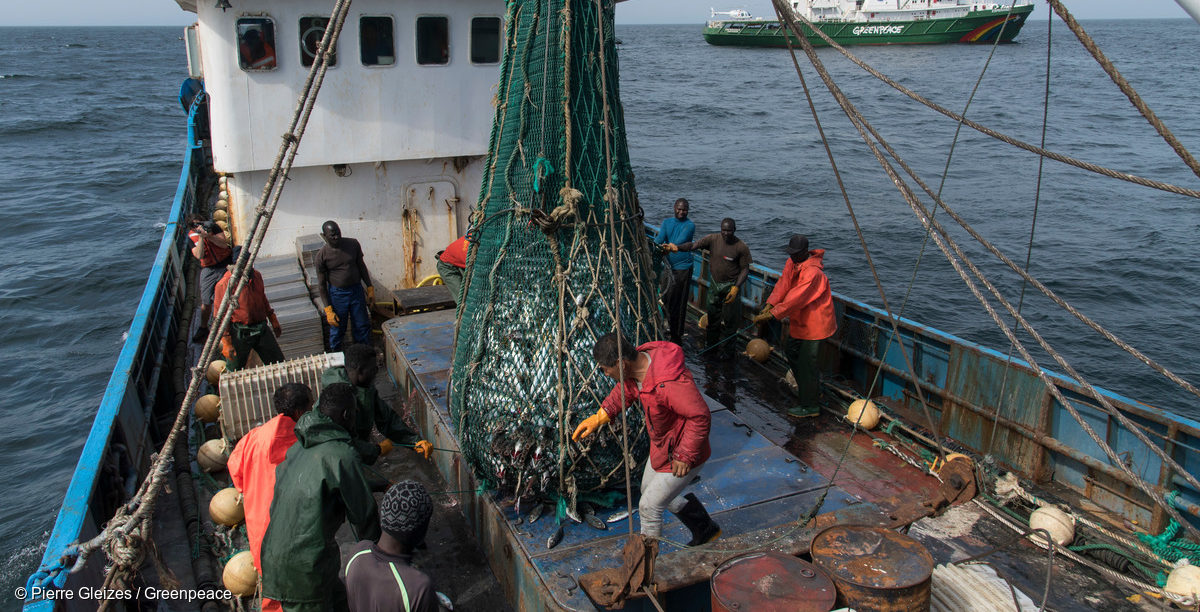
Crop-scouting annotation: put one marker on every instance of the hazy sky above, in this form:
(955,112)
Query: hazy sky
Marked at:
(166,12)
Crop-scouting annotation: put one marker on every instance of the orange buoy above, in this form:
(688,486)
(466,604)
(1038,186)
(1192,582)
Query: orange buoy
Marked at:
(758,350)
(225,508)
(239,575)
(863,413)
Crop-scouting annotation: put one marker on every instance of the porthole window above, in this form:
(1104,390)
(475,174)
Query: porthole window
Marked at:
(256,43)
(376,44)
(312,29)
(485,40)
(433,40)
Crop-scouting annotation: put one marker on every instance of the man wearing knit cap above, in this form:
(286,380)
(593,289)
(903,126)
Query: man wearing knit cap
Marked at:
(379,575)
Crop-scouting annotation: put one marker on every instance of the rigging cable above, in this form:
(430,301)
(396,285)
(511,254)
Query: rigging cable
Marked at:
(946,244)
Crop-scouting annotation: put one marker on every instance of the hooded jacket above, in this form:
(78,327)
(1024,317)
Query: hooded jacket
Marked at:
(252,469)
(372,412)
(677,417)
(802,296)
(317,487)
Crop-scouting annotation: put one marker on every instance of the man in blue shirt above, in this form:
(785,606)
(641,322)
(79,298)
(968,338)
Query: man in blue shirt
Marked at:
(677,230)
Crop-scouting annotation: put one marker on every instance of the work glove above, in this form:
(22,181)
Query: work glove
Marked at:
(590,425)
(331,316)
(763,315)
(424,448)
(278,329)
(732,295)
(371,295)
(385,447)
(227,347)
(670,248)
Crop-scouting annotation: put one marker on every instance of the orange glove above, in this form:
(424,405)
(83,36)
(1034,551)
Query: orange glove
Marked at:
(424,448)
(590,425)
(732,295)
(385,447)
(331,316)
(227,347)
(371,295)
(764,315)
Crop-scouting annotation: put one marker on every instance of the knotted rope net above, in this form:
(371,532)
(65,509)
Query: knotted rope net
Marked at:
(558,257)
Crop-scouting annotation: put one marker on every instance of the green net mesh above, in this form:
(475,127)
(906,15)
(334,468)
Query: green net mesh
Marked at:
(558,258)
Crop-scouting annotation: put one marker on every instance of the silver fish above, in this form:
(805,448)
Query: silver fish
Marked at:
(536,513)
(619,515)
(555,538)
(589,517)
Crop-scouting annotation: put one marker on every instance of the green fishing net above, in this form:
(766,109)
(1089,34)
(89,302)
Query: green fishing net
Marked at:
(558,258)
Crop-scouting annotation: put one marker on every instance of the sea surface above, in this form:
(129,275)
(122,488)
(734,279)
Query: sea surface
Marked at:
(92,136)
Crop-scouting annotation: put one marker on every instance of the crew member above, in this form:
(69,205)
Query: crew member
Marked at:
(359,372)
(677,230)
(450,266)
(728,264)
(248,327)
(380,576)
(341,275)
(802,297)
(319,486)
(211,248)
(677,420)
(253,461)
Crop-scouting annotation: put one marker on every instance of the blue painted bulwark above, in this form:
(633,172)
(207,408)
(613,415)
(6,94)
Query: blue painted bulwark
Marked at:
(125,409)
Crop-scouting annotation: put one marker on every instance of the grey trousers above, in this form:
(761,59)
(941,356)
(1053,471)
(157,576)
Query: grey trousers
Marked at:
(662,491)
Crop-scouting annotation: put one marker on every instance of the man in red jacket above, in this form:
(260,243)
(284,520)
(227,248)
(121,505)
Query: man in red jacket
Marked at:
(677,420)
(802,297)
(253,461)
(248,328)
(451,262)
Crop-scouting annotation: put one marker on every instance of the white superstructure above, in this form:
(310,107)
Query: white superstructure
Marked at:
(394,148)
(883,10)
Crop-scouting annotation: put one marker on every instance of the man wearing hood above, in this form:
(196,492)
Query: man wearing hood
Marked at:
(677,421)
(319,485)
(802,297)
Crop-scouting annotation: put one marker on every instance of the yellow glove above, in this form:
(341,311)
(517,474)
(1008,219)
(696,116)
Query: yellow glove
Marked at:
(331,316)
(590,425)
(732,295)
(385,447)
(371,295)
(424,448)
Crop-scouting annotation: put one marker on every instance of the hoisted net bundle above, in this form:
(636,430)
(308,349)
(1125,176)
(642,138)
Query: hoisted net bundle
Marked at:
(558,256)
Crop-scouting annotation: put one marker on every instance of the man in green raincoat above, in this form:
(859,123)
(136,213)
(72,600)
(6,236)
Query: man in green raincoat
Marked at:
(319,485)
(360,371)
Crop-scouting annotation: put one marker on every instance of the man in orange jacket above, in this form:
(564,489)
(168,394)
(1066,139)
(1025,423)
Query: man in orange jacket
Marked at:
(253,461)
(802,297)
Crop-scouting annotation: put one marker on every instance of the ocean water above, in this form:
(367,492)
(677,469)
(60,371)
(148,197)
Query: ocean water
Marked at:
(92,136)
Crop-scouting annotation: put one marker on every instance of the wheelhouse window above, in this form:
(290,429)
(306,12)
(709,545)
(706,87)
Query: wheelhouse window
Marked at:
(433,40)
(312,29)
(376,44)
(485,40)
(256,43)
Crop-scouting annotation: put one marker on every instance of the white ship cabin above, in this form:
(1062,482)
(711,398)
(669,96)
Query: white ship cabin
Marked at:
(888,10)
(394,148)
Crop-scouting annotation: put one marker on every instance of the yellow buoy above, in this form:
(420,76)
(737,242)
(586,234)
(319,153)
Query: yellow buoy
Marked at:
(220,215)
(213,455)
(224,225)
(223,182)
(208,408)
(225,508)
(1060,524)
(1184,580)
(864,413)
(758,350)
(703,322)
(223,202)
(214,372)
(239,576)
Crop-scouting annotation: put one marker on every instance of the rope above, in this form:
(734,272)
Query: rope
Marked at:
(946,244)
(130,526)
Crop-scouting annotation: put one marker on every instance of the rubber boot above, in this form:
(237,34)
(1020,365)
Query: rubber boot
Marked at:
(696,519)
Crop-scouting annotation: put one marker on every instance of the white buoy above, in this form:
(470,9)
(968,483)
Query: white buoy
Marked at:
(208,408)
(1060,524)
(225,508)
(1184,580)
(239,575)
(214,372)
(213,455)
(864,413)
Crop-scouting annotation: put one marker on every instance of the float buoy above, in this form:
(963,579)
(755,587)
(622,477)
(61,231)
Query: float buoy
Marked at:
(864,413)
(758,350)
(225,508)
(239,576)
(213,455)
(222,203)
(1060,524)
(220,215)
(208,408)
(1184,580)
(214,372)
(703,322)
(224,225)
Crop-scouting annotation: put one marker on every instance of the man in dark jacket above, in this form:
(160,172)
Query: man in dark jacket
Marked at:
(359,372)
(319,485)
(677,420)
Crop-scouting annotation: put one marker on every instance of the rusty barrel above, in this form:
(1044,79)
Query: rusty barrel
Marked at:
(875,568)
(771,582)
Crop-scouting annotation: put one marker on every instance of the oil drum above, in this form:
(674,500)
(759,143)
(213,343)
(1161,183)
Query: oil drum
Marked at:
(875,568)
(771,582)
